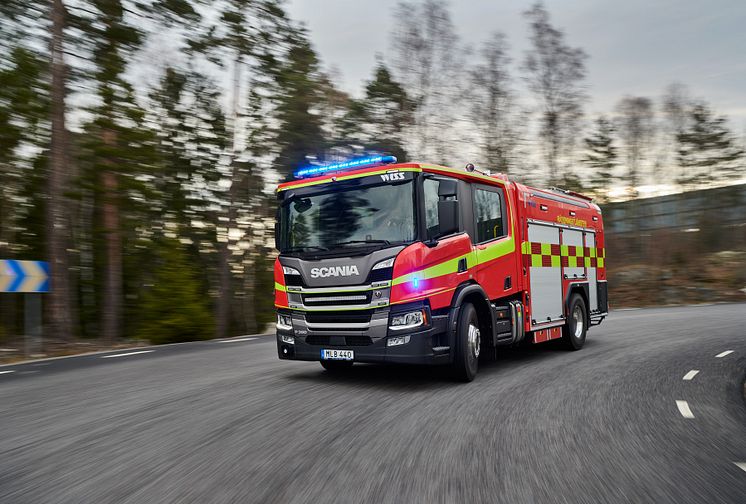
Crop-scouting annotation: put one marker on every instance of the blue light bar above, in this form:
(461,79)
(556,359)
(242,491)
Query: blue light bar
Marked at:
(353,163)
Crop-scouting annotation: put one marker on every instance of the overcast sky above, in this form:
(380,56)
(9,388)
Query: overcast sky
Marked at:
(635,47)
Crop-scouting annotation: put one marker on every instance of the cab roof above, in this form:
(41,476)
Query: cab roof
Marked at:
(496,179)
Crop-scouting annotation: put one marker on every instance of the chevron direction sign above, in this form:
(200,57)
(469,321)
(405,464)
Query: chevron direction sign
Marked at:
(24,276)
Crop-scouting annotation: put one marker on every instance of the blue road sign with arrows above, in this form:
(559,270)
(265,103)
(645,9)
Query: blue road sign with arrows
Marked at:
(24,276)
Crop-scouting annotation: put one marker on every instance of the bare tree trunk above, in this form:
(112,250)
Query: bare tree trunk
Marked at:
(225,292)
(60,309)
(112,305)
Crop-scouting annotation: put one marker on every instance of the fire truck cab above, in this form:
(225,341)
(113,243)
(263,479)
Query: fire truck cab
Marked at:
(416,263)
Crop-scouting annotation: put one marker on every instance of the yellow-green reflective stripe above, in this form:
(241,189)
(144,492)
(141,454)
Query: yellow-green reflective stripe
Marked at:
(546,249)
(342,291)
(444,268)
(564,250)
(490,253)
(495,250)
(343,308)
(349,177)
(555,261)
(280,288)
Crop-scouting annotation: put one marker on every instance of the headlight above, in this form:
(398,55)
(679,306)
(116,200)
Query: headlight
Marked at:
(284,322)
(289,340)
(408,320)
(385,264)
(287,270)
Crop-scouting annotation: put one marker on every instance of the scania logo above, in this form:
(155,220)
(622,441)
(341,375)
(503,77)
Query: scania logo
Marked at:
(334,271)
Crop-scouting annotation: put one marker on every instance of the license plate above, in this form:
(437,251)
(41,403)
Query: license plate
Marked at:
(337,354)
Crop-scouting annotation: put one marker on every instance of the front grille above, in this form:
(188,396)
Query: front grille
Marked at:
(337,299)
(348,340)
(356,317)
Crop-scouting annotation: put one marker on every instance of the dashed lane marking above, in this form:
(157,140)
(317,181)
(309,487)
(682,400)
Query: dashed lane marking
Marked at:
(235,340)
(723,354)
(742,465)
(684,409)
(6,372)
(126,354)
(691,374)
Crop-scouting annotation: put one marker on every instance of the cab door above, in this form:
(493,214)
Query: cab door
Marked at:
(494,244)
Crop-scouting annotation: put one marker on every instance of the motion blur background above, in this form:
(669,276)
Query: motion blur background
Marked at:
(140,141)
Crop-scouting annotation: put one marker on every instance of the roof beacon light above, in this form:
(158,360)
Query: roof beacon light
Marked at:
(310,171)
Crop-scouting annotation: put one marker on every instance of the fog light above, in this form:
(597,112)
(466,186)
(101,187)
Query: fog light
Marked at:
(290,340)
(397,340)
(284,322)
(407,320)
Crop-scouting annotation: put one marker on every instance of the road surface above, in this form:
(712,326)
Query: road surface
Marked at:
(626,419)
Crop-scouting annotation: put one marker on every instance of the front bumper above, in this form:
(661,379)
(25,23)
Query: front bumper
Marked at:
(429,346)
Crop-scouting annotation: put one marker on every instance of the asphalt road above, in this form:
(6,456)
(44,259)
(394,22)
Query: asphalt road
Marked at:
(228,422)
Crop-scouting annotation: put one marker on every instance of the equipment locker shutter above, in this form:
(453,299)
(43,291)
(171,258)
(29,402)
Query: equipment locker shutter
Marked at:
(590,243)
(572,248)
(546,281)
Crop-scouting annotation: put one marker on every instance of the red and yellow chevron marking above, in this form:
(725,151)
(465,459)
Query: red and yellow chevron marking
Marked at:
(549,255)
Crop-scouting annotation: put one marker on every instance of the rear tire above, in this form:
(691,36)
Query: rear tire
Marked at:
(575,329)
(468,344)
(336,366)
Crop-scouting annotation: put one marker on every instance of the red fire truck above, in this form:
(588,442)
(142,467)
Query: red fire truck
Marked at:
(422,264)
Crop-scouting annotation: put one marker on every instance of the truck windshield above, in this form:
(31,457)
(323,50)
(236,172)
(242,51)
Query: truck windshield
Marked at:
(375,215)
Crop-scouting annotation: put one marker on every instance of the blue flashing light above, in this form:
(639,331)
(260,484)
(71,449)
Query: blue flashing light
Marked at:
(416,283)
(312,170)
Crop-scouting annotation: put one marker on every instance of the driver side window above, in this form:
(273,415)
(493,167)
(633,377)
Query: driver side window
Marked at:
(430,187)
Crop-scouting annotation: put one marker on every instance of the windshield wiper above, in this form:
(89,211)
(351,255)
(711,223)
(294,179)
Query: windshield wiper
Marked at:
(368,242)
(304,248)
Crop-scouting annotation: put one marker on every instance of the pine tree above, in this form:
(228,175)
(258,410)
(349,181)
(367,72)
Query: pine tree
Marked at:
(173,307)
(601,156)
(117,138)
(388,112)
(707,149)
(299,130)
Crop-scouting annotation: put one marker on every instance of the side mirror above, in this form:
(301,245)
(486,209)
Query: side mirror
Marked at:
(447,216)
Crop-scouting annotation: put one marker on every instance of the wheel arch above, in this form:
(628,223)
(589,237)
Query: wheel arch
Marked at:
(582,289)
(474,294)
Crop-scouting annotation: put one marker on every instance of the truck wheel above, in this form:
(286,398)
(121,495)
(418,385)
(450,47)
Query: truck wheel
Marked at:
(577,324)
(336,366)
(468,344)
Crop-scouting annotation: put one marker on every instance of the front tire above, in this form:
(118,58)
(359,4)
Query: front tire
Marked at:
(336,366)
(577,324)
(468,344)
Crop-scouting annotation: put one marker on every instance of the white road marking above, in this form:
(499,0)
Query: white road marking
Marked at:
(691,374)
(742,465)
(126,354)
(723,354)
(6,372)
(235,340)
(684,409)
